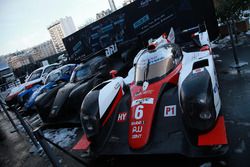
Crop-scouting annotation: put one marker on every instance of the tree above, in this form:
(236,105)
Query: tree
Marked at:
(230,9)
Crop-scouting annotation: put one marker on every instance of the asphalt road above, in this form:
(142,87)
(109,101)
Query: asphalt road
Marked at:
(235,95)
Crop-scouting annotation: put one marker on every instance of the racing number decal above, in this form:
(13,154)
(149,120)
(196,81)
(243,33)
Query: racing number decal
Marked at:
(170,111)
(139,112)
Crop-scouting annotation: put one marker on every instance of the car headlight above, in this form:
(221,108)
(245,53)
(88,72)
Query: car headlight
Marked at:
(205,115)
(90,124)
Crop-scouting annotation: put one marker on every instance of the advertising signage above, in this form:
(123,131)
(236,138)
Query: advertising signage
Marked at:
(144,19)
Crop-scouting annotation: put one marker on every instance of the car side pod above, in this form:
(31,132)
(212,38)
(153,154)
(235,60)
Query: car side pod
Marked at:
(98,106)
(89,116)
(197,102)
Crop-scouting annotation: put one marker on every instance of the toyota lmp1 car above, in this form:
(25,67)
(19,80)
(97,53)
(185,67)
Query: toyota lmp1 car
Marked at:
(170,106)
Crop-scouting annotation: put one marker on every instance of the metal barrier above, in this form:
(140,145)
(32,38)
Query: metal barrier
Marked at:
(23,123)
(8,115)
(44,142)
(38,138)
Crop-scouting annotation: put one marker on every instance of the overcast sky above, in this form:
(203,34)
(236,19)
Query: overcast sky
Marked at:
(24,22)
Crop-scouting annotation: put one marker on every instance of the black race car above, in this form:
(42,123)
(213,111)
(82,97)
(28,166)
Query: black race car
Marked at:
(63,103)
(168,104)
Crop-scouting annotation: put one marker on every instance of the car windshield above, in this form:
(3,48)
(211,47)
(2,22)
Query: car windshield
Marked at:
(67,69)
(80,73)
(50,68)
(154,64)
(52,77)
(35,75)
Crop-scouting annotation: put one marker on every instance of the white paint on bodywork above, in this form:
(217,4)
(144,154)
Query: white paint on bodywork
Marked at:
(204,38)
(130,78)
(187,65)
(108,93)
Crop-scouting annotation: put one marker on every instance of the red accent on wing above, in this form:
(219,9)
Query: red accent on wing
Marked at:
(140,128)
(117,99)
(113,73)
(164,35)
(216,136)
(82,144)
(204,48)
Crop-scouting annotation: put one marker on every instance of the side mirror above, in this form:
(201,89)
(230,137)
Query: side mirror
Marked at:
(113,73)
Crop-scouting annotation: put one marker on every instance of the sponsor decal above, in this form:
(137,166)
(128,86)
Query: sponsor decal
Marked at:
(145,86)
(143,62)
(198,70)
(144,92)
(144,3)
(110,50)
(117,85)
(138,93)
(170,111)
(141,21)
(143,101)
(137,129)
(136,136)
(122,117)
(148,92)
(137,123)
(216,87)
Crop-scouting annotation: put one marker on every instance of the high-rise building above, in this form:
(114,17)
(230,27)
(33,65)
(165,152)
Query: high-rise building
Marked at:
(112,5)
(103,14)
(126,2)
(6,75)
(59,30)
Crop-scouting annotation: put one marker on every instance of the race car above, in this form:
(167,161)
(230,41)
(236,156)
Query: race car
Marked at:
(67,100)
(34,81)
(53,79)
(168,104)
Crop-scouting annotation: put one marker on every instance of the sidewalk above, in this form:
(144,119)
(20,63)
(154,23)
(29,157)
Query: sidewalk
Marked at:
(235,95)
(15,148)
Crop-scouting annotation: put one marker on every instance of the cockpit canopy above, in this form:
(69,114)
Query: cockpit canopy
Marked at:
(154,64)
(80,73)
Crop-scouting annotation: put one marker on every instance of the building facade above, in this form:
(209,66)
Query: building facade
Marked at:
(103,14)
(126,2)
(112,5)
(6,75)
(46,49)
(59,30)
(31,55)
(18,59)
